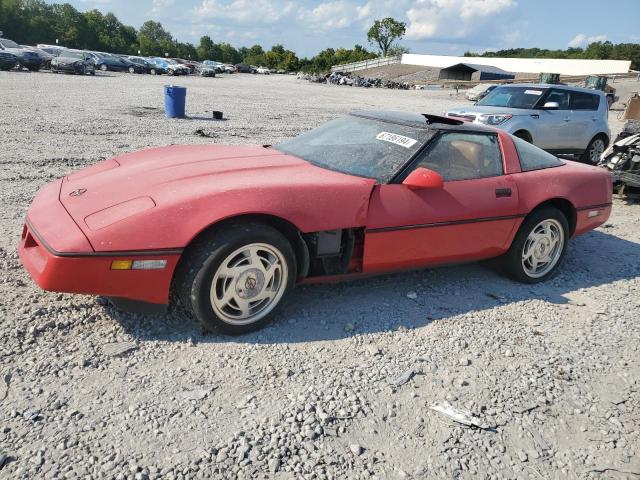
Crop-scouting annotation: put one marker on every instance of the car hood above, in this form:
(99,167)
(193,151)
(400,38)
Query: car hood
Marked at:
(473,111)
(222,180)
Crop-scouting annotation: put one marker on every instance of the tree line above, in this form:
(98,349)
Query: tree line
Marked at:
(30,22)
(594,51)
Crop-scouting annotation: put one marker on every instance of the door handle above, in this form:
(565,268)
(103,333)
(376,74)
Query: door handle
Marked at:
(503,192)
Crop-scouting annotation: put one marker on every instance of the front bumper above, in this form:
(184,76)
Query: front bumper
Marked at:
(59,258)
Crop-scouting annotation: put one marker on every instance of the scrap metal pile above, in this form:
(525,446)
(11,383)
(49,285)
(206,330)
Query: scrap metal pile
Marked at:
(340,78)
(622,158)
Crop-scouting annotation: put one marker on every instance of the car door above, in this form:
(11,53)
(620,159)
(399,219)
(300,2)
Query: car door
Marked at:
(555,128)
(584,109)
(471,217)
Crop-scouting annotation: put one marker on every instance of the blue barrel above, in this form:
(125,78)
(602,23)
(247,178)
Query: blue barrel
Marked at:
(174,101)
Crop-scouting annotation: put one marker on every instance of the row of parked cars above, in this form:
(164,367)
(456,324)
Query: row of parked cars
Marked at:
(59,59)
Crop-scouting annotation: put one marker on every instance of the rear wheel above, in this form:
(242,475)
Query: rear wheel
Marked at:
(595,149)
(234,280)
(132,70)
(103,67)
(539,246)
(524,135)
(152,71)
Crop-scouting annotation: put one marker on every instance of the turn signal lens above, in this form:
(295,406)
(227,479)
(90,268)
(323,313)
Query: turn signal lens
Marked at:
(121,264)
(149,264)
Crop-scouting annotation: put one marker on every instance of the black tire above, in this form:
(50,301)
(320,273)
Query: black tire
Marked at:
(596,147)
(524,135)
(132,70)
(170,72)
(202,260)
(152,71)
(104,67)
(513,259)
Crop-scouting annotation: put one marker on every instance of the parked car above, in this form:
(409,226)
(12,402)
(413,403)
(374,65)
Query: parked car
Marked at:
(263,70)
(187,63)
(556,118)
(45,56)
(382,191)
(26,58)
(51,49)
(230,68)
(244,68)
(206,70)
(108,62)
(176,68)
(73,61)
(219,67)
(7,60)
(147,66)
(480,91)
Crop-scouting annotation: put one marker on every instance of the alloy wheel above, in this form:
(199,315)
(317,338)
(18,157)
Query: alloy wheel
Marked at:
(597,148)
(248,284)
(543,248)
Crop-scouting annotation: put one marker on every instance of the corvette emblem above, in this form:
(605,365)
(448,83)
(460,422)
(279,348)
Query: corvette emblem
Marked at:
(250,283)
(77,192)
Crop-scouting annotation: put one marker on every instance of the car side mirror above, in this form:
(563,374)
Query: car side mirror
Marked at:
(423,178)
(551,106)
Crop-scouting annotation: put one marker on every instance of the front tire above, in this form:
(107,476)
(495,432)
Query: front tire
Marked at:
(595,149)
(234,280)
(103,67)
(539,246)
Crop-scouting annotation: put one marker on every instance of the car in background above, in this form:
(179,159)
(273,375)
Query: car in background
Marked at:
(170,66)
(73,61)
(113,63)
(51,49)
(45,56)
(230,68)
(263,70)
(187,63)
(383,191)
(244,68)
(557,118)
(206,70)
(26,58)
(218,66)
(146,65)
(7,60)
(479,91)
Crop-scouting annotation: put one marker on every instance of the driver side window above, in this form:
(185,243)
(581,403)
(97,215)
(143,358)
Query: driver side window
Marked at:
(464,156)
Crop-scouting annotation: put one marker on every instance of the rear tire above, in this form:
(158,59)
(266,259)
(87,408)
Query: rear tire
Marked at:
(103,67)
(595,149)
(235,279)
(524,135)
(539,246)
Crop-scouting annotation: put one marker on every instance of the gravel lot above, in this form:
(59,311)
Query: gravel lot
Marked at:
(551,369)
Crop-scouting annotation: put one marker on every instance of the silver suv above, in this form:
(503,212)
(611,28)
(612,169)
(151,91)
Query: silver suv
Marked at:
(556,118)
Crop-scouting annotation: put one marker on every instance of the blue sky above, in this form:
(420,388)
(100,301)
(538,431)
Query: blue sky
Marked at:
(447,27)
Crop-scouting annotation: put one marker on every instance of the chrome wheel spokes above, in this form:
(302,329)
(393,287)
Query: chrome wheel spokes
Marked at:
(597,148)
(543,248)
(248,284)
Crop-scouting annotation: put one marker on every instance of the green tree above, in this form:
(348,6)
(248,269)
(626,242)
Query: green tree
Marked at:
(384,32)
(154,40)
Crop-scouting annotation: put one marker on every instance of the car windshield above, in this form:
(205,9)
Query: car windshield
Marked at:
(74,55)
(513,97)
(359,146)
(6,43)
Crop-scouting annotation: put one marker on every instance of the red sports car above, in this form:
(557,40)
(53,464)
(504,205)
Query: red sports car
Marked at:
(231,229)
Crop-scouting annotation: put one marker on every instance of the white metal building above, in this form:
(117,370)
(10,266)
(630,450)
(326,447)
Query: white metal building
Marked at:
(525,65)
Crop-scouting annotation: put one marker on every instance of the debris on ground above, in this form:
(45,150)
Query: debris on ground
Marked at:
(458,415)
(117,349)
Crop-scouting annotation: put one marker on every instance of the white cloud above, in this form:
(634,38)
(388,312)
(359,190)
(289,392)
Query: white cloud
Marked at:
(581,40)
(452,18)
(159,6)
(244,11)
(336,14)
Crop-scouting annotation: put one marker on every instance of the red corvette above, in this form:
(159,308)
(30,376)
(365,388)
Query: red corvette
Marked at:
(231,229)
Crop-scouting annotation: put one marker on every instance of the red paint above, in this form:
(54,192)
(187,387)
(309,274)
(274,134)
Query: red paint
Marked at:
(162,198)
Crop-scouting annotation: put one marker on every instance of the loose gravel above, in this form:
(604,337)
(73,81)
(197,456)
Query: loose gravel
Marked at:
(341,385)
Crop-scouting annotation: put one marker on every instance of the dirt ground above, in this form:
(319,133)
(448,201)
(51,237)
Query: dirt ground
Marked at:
(341,384)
